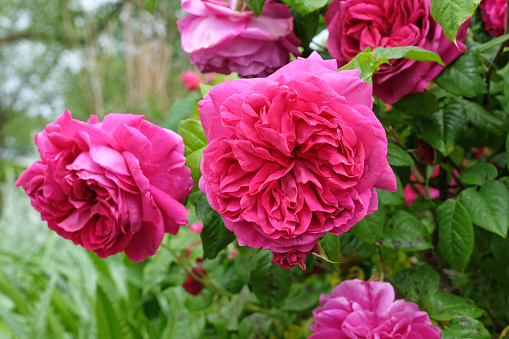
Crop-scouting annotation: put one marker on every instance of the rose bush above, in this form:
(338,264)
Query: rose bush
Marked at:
(223,40)
(354,25)
(112,186)
(293,156)
(367,309)
(494,14)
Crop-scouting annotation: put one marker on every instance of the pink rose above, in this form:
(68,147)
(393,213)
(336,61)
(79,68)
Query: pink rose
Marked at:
(356,24)
(290,259)
(220,39)
(494,14)
(366,309)
(112,186)
(191,80)
(294,155)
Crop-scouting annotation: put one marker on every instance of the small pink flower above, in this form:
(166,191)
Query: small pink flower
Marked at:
(110,186)
(196,227)
(223,40)
(494,14)
(367,309)
(356,24)
(293,156)
(191,80)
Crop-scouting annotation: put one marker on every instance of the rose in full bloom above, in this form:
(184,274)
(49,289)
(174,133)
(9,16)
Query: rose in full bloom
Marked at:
(293,156)
(112,186)
(223,40)
(367,309)
(191,80)
(494,14)
(355,25)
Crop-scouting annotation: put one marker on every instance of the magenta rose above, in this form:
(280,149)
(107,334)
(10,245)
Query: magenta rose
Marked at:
(223,40)
(357,24)
(112,186)
(293,156)
(494,14)
(367,309)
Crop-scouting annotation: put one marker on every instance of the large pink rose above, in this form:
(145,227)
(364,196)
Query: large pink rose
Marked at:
(220,39)
(356,24)
(112,186)
(494,14)
(293,156)
(366,309)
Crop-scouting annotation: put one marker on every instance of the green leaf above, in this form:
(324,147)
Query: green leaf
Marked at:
(194,140)
(366,64)
(180,110)
(396,156)
(43,309)
(194,137)
(442,129)
(371,228)
(269,282)
(455,234)
(150,5)
(392,198)
(494,42)
(408,52)
(464,76)
(305,26)
(481,118)
(405,232)
(214,235)
(507,149)
(329,248)
(306,6)
(256,5)
(488,207)
(451,14)
(254,326)
(205,88)
(108,325)
(446,306)
(422,104)
(465,327)
(479,173)
(421,285)
(500,248)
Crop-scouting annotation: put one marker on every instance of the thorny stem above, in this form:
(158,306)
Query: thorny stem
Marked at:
(495,60)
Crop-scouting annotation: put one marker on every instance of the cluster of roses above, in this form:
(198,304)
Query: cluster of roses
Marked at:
(292,154)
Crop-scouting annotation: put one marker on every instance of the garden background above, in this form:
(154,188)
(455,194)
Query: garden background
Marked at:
(126,56)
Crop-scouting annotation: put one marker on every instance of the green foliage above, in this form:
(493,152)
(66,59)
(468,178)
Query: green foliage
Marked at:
(405,232)
(455,234)
(306,6)
(150,5)
(270,283)
(180,110)
(194,140)
(396,156)
(464,76)
(451,14)
(214,235)
(479,173)
(329,248)
(488,207)
(256,5)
